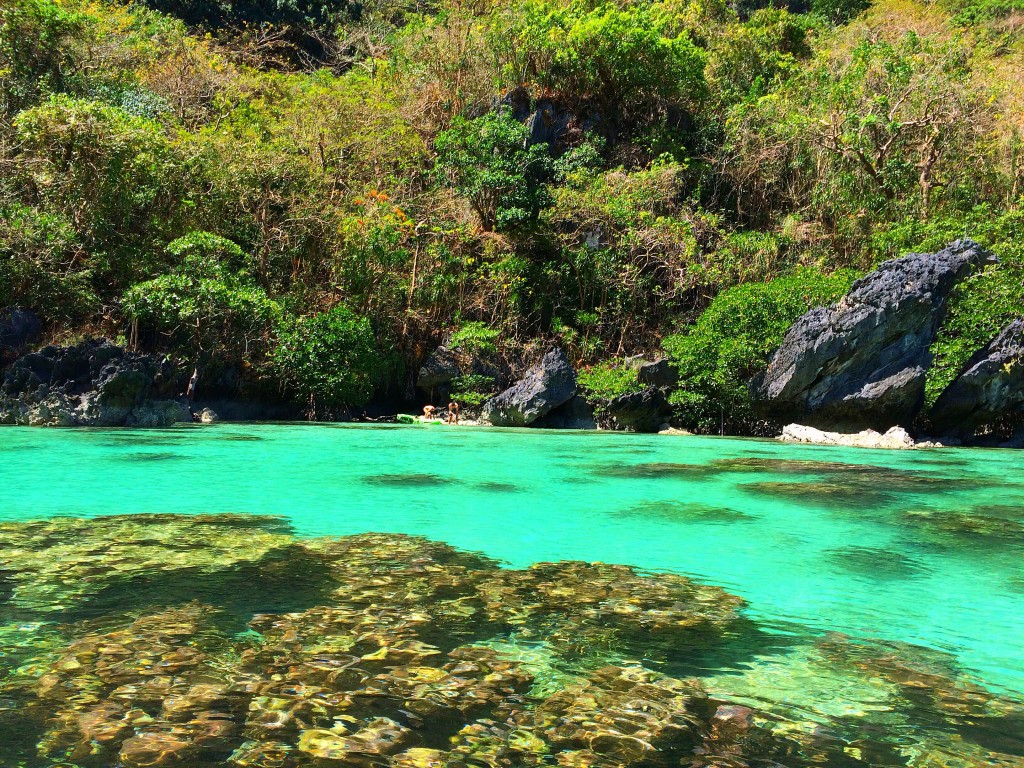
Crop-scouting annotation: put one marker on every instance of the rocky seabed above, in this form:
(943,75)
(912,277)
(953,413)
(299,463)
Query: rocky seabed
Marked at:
(158,641)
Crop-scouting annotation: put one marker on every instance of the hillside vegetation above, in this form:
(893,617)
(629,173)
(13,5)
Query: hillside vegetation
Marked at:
(304,199)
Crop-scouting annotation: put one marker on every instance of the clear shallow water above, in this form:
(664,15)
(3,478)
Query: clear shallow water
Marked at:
(874,551)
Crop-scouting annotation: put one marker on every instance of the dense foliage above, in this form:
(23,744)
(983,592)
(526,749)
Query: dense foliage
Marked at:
(732,340)
(329,360)
(281,190)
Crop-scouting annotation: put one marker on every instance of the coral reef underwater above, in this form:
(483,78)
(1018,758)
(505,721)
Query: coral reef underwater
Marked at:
(225,640)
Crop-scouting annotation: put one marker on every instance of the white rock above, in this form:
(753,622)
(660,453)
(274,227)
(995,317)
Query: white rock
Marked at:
(896,438)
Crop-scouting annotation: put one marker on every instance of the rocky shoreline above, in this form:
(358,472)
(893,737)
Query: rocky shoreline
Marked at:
(840,371)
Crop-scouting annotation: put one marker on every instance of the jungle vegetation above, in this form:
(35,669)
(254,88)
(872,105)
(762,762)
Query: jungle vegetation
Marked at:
(307,198)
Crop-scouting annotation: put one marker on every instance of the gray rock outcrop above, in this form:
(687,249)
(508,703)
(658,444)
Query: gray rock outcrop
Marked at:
(437,372)
(575,414)
(644,411)
(94,383)
(437,375)
(660,373)
(861,363)
(989,388)
(545,386)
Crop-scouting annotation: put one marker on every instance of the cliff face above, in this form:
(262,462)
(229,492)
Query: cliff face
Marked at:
(94,383)
(991,386)
(861,363)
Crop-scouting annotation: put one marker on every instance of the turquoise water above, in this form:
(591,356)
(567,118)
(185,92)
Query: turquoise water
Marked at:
(873,544)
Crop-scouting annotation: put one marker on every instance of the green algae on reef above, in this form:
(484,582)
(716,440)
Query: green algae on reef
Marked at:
(414,480)
(658,471)
(873,563)
(991,523)
(391,650)
(683,510)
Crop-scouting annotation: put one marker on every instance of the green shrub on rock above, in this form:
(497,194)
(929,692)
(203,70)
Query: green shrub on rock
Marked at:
(609,379)
(734,338)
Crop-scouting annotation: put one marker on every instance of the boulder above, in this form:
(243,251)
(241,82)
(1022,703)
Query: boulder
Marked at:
(894,438)
(446,363)
(645,411)
(989,388)
(548,123)
(18,327)
(660,373)
(861,363)
(545,386)
(575,414)
(94,383)
(437,372)
(208,416)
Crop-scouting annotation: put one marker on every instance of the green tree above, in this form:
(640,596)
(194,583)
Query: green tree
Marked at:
(41,265)
(115,177)
(892,129)
(490,162)
(751,59)
(624,61)
(208,306)
(330,361)
(35,50)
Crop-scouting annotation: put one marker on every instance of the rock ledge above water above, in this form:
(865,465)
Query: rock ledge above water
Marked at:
(93,384)
(861,363)
(895,438)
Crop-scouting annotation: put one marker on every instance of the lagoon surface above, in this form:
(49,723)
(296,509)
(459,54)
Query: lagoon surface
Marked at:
(918,549)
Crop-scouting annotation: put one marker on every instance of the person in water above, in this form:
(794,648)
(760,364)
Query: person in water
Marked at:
(453,412)
(428,412)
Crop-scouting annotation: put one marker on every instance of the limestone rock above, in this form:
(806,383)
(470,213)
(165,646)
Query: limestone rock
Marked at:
(446,363)
(437,372)
(18,327)
(94,383)
(645,411)
(575,414)
(990,387)
(862,362)
(546,386)
(660,373)
(894,438)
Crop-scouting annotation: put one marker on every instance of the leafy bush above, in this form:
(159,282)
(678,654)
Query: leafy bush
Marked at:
(209,305)
(35,38)
(751,59)
(969,13)
(116,177)
(620,59)
(40,267)
(609,379)
(472,390)
(839,11)
(489,161)
(733,339)
(475,337)
(891,130)
(329,361)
